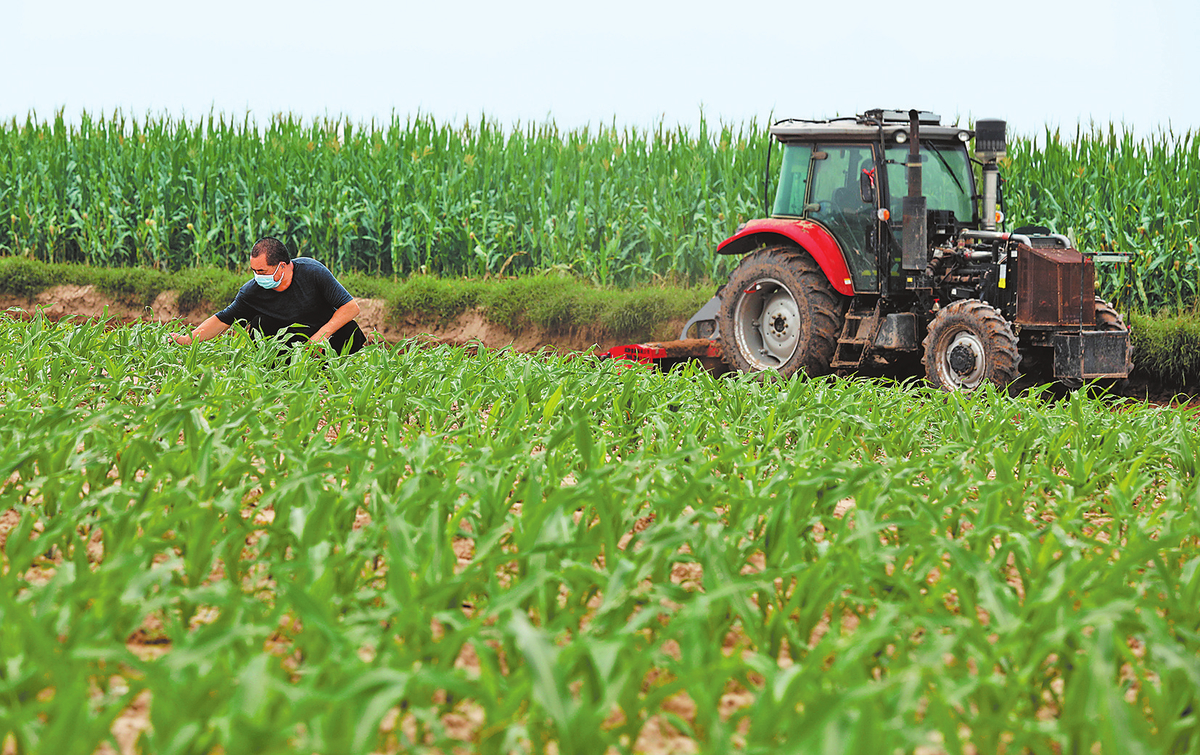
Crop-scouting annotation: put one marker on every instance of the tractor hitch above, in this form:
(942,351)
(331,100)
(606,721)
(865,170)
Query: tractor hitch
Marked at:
(667,355)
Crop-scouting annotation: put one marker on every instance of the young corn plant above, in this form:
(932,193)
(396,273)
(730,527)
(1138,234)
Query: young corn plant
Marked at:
(422,549)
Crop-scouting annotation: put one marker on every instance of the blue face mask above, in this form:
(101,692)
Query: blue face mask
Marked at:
(268,281)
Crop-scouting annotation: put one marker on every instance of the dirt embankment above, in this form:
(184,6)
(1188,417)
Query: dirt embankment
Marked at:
(66,302)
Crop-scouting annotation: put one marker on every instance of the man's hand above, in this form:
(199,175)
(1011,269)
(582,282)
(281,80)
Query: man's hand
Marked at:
(210,328)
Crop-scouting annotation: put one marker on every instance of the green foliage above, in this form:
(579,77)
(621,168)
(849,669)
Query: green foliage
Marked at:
(551,301)
(399,198)
(641,310)
(137,286)
(613,206)
(1167,347)
(425,295)
(560,303)
(205,287)
(502,553)
(366,286)
(1113,192)
(21,276)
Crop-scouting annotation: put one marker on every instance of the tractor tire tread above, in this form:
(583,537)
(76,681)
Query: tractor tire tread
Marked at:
(1003,366)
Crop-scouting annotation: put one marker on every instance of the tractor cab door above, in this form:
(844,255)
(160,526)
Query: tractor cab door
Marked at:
(843,184)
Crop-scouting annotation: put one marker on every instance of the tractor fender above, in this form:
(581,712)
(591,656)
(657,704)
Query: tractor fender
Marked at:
(808,235)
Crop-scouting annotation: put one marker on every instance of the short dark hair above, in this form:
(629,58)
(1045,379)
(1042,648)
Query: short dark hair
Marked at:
(273,248)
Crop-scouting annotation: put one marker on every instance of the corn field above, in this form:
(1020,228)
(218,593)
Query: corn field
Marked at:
(427,550)
(1112,192)
(397,198)
(616,206)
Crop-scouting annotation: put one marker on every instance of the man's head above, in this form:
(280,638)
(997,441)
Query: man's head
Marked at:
(272,249)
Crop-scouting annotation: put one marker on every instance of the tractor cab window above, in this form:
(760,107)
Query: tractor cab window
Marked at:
(837,181)
(793,180)
(945,179)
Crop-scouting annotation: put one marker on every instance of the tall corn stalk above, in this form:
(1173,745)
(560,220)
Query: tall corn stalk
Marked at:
(615,205)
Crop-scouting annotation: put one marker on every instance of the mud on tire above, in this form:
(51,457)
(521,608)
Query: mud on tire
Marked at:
(779,312)
(968,343)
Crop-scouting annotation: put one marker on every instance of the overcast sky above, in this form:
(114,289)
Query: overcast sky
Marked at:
(1032,62)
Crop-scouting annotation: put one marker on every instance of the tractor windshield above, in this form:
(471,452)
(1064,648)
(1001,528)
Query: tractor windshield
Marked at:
(793,180)
(945,179)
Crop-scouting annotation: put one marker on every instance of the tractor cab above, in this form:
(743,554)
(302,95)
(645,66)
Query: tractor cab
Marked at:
(849,176)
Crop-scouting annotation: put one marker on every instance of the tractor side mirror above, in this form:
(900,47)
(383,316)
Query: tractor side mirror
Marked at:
(866,187)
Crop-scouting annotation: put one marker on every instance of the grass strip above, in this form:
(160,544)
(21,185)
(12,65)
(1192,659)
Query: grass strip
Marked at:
(1166,347)
(553,301)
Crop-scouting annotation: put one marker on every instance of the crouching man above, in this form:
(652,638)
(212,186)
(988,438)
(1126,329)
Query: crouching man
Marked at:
(298,297)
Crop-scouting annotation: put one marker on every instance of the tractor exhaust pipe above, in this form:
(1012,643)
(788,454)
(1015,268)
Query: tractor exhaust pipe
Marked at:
(914,250)
(990,146)
(914,154)
(991,180)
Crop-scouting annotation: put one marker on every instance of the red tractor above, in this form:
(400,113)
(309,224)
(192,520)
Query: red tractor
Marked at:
(880,248)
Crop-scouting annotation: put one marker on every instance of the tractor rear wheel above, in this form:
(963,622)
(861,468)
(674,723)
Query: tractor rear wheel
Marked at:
(779,312)
(968,343)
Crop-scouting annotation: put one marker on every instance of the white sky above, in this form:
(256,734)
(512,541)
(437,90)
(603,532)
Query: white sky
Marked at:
(1032,62)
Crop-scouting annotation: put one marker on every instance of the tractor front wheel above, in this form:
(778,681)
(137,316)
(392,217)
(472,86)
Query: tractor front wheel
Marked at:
(968,343)
(779,312)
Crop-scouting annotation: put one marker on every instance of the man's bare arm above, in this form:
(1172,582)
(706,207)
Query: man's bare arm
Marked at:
(343,315)
(210,328)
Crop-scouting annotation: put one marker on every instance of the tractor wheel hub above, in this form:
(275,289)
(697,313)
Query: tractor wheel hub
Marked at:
(767,321)
(963,359)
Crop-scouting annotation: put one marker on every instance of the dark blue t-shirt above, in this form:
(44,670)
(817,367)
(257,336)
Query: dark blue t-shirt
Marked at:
(312,298)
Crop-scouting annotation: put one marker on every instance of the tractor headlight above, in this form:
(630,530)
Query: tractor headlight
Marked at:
(964,136)
(901,137)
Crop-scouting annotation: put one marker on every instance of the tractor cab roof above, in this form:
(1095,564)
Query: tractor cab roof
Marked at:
(867,127)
